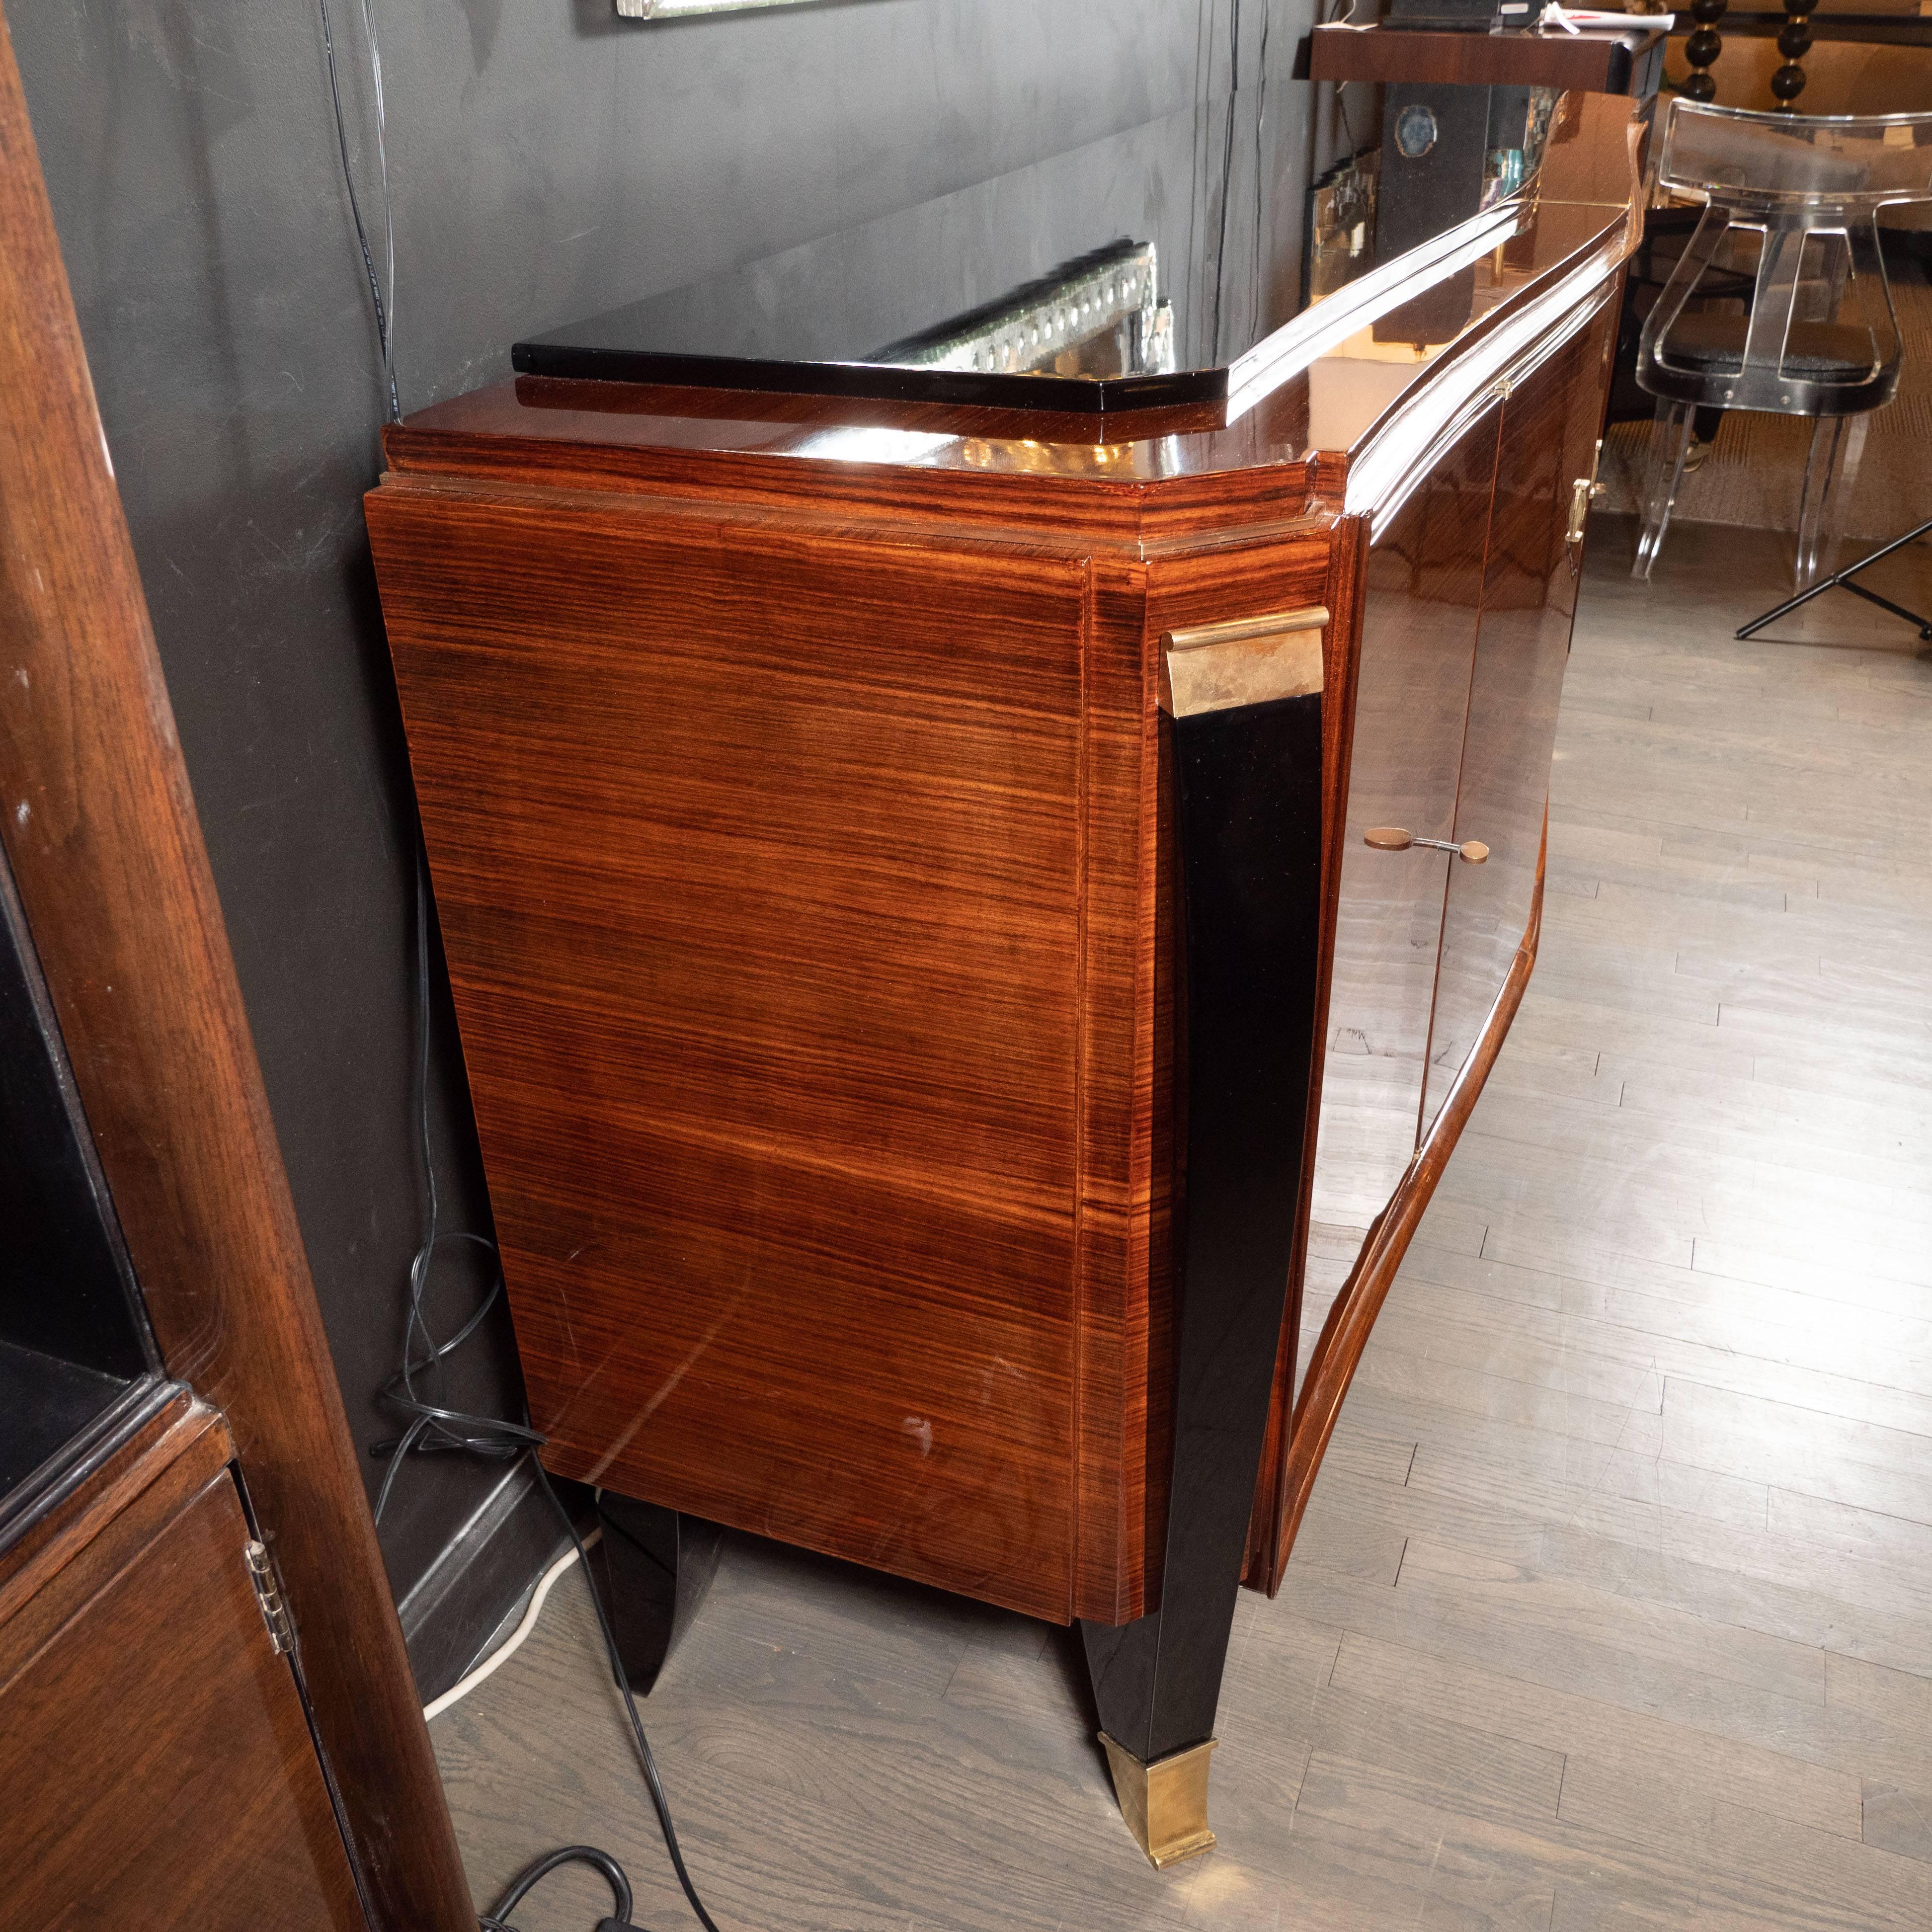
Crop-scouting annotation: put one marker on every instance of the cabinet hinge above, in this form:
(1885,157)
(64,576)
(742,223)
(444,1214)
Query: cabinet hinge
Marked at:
(268,1594)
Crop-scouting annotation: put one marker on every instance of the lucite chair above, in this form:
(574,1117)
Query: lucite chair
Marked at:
(1819,337)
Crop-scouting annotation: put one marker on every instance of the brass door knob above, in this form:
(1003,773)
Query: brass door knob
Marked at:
(1393,838)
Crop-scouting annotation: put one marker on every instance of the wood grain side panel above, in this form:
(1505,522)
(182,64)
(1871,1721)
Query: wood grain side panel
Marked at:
(159,1770)
(758,857)
(1005,472)
(100,832)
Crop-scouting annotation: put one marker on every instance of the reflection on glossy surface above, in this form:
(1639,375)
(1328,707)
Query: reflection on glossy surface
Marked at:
(1130,273)
(1418,641)
(1529,598)
(1098,316)
(1326,383)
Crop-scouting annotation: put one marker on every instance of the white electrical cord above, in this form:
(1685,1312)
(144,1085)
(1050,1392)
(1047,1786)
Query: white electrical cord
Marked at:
(508,1647)
(1574,20)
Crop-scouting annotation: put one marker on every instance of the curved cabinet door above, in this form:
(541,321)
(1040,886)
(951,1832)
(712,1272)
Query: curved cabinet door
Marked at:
(1419,627)
(1550,426)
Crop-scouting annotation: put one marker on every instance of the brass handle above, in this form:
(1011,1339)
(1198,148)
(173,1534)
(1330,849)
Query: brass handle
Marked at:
(1583,493)
(1244,661)
(1393,838)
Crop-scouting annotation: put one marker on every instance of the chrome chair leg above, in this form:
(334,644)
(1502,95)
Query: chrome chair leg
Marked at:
(1669,445)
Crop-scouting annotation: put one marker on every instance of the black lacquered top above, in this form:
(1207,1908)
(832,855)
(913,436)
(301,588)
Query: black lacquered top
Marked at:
(1150,268)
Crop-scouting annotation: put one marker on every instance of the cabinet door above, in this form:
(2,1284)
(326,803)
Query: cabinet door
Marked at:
(1419,624)
(159,1771)
(1550,426)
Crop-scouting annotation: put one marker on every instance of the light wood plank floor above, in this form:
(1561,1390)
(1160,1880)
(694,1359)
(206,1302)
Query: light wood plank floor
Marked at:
(1614,1609)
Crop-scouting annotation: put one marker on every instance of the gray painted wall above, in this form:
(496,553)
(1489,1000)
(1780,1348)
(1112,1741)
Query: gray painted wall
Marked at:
(547,161)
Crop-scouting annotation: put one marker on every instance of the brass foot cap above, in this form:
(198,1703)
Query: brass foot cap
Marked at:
(1164,1803)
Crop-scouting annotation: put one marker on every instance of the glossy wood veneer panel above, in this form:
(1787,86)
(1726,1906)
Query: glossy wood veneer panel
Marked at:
(181,1435)
(764,906)
(1422,602)
(1550,426)
(159,1770)
(1598,61)
(1337,1352)
(1124,1084)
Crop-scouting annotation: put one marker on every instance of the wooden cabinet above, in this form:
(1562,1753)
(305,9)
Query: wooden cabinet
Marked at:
(158,1769)
(804,784)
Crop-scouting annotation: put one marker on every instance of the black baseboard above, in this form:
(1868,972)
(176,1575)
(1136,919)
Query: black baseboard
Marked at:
(455,1611)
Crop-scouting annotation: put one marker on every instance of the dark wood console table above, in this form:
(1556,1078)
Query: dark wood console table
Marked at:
(902,862)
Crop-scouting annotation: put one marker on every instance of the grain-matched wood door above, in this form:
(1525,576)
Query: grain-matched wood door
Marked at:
(1550,427)
(1424,582)
(757,855)
(158,1769)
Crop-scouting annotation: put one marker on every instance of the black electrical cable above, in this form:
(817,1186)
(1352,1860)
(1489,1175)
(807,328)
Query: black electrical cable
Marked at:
(653,1782)
(1342,11)
(492,1921)
(356,212)
(434,1425)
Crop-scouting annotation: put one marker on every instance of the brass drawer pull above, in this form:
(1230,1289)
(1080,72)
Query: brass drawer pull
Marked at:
(1248,661)
(1393,838)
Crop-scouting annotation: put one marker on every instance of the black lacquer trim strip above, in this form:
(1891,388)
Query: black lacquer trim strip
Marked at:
(1247,795)
(83,1455)
(882,381)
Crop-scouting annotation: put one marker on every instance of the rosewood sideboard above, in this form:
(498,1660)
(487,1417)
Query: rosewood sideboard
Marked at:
(953,857)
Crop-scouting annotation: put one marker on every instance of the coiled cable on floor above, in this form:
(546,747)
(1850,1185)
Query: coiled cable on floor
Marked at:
(494,1920)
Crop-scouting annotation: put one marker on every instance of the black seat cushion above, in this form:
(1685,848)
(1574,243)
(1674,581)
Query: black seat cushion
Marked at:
(1822,351)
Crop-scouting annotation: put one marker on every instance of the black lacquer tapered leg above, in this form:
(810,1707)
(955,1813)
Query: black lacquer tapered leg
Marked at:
(1246,791)
(652,1567)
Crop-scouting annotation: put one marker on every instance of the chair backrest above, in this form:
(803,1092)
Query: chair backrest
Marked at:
(1806,168)
(1812,186)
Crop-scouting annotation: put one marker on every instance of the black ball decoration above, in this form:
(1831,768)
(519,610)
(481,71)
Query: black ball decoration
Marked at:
(1794,41)
(1702,48)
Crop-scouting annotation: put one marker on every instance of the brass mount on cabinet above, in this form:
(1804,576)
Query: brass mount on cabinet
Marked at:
(1164,1803)
(1245,661)
(1393,838)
